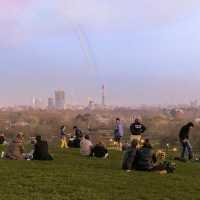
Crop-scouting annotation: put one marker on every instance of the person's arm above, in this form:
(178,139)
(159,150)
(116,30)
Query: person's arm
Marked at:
(143,128)
(131,129)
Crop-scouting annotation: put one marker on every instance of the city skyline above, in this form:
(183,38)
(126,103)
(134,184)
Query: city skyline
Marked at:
(143,52)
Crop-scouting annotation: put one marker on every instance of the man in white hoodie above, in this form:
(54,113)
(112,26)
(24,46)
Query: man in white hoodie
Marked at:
(86,146)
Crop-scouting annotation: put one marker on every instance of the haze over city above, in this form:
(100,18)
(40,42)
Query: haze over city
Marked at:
(145,52)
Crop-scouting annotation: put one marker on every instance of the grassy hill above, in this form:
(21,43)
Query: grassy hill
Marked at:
(72,177)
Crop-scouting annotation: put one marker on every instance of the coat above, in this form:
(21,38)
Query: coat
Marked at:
(15,150)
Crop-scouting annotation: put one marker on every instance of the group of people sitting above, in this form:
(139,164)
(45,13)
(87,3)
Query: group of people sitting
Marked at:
(16,150)
(143,158)
(136,156)
(79,140)
(88,149)
(70,141)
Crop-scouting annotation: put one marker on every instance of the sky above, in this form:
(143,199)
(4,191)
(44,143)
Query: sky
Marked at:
(144,52)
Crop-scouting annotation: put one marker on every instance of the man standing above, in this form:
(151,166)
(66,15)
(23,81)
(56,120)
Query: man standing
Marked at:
(118,132)
(185,142)
(63,137)
(137,128)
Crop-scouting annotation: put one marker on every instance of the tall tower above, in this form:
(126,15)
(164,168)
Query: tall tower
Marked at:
(103,96)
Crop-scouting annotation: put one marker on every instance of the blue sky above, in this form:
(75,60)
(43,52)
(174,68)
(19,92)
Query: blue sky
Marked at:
(144,52)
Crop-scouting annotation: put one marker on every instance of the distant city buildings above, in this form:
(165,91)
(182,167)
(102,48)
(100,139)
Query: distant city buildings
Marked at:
(60,100)
(51,104)
(37,103)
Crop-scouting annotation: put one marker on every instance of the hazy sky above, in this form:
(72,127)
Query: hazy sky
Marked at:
(145,52)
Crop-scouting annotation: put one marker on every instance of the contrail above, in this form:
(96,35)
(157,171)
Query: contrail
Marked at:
(85,47)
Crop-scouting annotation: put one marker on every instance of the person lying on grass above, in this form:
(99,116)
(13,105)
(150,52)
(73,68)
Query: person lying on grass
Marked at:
(15,149)
(100,151)
(41,150)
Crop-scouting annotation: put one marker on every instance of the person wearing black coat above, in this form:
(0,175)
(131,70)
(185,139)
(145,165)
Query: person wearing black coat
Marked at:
(184,140)
(41,150)
(137,128)
(99,151)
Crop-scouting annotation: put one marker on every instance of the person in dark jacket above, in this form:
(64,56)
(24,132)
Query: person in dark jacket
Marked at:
(77,132)
(184,140)
(130,156)
(99,151)
(137,128)
(75,139)
(2,138)
(144,157)
(146,160)
(41,150)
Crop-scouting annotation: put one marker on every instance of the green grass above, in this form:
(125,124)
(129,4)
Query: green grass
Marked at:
(72,177)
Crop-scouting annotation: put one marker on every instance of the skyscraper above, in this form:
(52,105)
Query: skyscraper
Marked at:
(51,103)
(60,100)
(37,103)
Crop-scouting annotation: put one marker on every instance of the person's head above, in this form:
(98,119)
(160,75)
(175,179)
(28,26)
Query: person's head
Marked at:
(87,137)
(62,128)
(134,143)
(19,137)
(38,138)
(2,135)
(137,120)
(190,125)
(100,143)
(118,120)
(75,127)
(147,143)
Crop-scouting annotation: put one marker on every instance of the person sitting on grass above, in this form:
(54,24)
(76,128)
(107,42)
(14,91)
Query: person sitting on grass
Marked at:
(74,141)
(41,150)
(86,146)
(77,132)
(2,138)
(15,149)
(145,160)
(100,151)
(130,156)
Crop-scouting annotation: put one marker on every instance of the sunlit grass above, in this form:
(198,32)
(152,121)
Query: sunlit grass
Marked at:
(73,177)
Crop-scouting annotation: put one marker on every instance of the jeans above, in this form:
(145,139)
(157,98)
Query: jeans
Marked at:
(187,147)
